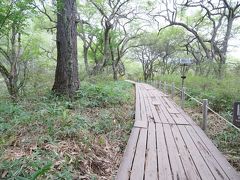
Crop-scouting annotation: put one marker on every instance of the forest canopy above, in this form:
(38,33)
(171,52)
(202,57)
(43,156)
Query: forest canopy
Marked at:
(101,35)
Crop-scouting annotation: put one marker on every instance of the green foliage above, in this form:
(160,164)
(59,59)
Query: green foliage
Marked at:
(173,35)
(34,131)
(41,171)
(102,95)
(230,135)
(220,93)
(18,169)
(16,12)
(133,69)
(104,125)
(236,69)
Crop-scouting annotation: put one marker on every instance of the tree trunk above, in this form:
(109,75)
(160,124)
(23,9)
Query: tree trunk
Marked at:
(115,73)
(145,77)
(223,52)
(220,70)
(12,56)
(66,75)
(106,45)
(13,75)
(227,37)
(85,57)
(114,62)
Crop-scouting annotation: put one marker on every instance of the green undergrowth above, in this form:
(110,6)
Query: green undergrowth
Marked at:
(220,93)
(104,94)
(49,137)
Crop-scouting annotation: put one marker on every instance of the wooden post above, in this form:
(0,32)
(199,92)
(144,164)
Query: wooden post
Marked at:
(173,90)
(165,87)
(205,113)
(183,97)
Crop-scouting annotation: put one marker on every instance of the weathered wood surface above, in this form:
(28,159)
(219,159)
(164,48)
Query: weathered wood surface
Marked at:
(165,144)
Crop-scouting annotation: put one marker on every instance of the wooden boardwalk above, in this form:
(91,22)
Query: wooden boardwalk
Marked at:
(166,144)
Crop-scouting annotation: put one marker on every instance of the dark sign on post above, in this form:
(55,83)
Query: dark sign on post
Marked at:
(236,114)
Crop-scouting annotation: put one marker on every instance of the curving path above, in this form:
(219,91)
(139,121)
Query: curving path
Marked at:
(165,144)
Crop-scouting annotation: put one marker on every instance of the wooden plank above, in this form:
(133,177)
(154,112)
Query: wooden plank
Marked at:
(139,159)
(156,102)
(175,160)
(184,114)
(169,106)
(141,124)
(207,155)
(189,166)
(187,118)
(162,117)
(164,102)
(165,112)
(201,165)
(159,93)
(137,104)
(179,116)
(179,119)
(164,168)
(151,154)
(222,161)
(152,96)
(142,103)
(148,87)
(172,118)
(151,109)
(155,114)
(171,109)
(146,105)
(127,159)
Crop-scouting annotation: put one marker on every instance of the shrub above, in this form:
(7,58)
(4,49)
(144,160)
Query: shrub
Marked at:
(220,93)
(102,95)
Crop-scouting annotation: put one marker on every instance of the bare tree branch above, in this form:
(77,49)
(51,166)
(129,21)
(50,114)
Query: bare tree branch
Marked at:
(44,10)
